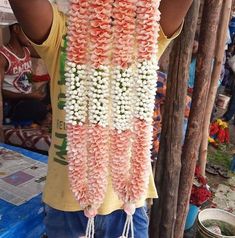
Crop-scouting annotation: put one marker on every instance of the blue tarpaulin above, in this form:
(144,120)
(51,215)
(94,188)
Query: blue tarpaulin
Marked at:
(26,220)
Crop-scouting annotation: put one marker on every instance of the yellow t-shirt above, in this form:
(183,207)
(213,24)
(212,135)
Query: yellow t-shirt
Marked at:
(57,193)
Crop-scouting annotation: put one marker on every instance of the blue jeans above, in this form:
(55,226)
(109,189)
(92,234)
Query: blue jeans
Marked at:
(60,224)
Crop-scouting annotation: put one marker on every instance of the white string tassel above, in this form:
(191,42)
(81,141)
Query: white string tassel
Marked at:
(129,208)
(90,229)
(128,227)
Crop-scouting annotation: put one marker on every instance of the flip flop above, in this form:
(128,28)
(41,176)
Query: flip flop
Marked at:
(211,170)
(224,173)
(220,170)
(216,167)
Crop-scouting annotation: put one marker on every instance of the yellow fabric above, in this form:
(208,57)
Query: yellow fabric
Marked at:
(57,193)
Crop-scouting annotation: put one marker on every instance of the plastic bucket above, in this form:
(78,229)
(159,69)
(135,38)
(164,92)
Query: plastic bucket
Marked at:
(192,216)
(222,101)
(213,214)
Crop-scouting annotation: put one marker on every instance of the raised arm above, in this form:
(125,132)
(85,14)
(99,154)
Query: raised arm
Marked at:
(172,14)
(35,17)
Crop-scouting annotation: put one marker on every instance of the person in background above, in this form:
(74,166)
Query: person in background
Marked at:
(229,83)
(228,53)
(229,114)
(46,28)
(159,110)
(192,66)
(22,105)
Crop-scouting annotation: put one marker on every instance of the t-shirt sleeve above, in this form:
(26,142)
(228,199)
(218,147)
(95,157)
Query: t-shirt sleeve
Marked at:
(50,47)
(164,41)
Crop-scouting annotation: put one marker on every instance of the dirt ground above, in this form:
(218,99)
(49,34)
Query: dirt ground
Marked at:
(223,189)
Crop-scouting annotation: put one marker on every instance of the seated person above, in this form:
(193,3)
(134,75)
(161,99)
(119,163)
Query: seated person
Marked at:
(22,105)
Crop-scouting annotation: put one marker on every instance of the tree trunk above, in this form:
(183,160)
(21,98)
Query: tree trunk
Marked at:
(163,213)
(218,60)
(210,20)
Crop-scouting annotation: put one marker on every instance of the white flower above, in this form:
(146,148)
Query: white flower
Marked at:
(75,93)
(99,96)
(145,90)
(122,98)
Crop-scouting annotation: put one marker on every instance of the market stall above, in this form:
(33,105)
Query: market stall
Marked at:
(22,177)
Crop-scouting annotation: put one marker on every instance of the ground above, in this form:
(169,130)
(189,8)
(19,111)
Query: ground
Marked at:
(223,189)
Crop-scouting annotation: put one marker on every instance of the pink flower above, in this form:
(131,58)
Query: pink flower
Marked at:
(147,29)
(124,30)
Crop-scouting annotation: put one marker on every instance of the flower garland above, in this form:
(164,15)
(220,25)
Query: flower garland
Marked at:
(110,78)
(130,178)
(76,96)
(122,94)
(88,88)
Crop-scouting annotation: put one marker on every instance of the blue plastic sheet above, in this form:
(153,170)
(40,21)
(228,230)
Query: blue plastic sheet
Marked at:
(26,220)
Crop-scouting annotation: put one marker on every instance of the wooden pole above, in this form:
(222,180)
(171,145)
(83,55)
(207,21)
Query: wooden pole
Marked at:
(218,60)
(210,20)
(163,213)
